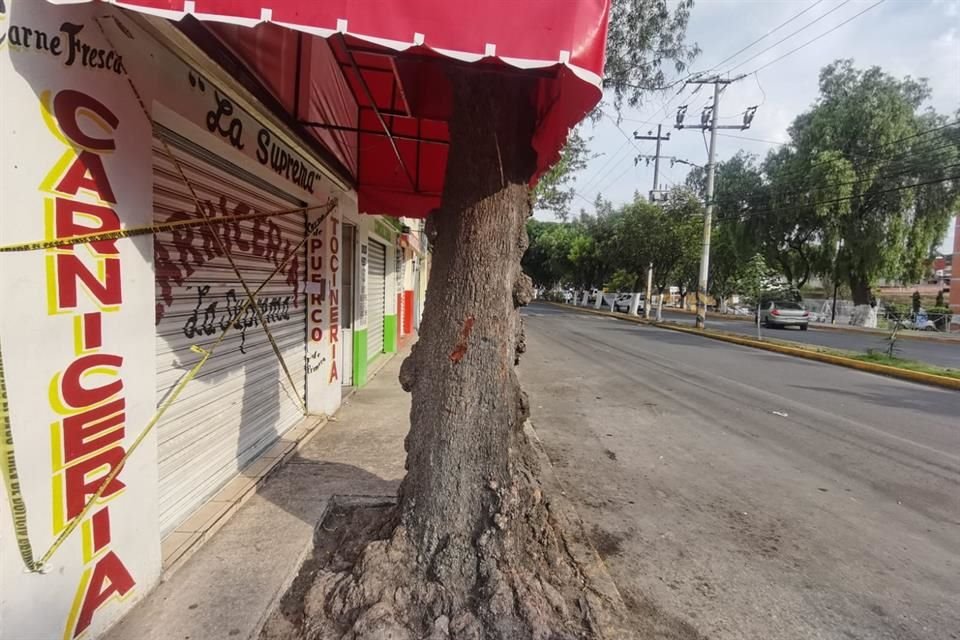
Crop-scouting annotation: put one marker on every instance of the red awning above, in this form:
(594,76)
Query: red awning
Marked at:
(369,78)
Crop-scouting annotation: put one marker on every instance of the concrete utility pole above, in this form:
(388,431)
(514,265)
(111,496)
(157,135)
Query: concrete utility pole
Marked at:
(708,119)
(647,307)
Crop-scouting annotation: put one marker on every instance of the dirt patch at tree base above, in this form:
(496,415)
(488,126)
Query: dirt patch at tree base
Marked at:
(363,582)
(337,544)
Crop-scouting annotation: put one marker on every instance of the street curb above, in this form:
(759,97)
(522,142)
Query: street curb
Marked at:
(817,326)
(593,567)
(799,352)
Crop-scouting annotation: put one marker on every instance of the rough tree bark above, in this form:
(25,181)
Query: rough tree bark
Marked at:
(467,402)
(475,551)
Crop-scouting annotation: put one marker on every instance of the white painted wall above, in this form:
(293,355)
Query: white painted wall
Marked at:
(45,129)
(57,116)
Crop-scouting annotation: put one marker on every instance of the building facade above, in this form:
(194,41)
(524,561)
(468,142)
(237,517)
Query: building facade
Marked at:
(137,358)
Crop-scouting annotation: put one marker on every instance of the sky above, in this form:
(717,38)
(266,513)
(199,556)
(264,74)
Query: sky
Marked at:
(919,38)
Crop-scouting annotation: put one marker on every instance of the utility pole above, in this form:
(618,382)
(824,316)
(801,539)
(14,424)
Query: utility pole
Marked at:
(656,158)
(836,281)
(653,198)
(708,119)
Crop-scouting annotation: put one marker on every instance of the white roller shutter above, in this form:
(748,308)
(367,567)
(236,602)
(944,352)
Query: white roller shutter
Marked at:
(240,402)
(376,297)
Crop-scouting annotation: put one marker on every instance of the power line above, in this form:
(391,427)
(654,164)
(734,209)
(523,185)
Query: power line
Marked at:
(803,172)
(793,33)
(812,40)
(764,36)
(887,176)
(616,179)
(759,212)
(897,156)
(599,171)
(773,142)
(629,140)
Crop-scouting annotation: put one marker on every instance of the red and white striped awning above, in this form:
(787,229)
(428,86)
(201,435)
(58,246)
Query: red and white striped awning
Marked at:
(391,133)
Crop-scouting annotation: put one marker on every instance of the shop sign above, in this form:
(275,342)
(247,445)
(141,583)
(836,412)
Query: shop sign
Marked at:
(74,350)
(226,120)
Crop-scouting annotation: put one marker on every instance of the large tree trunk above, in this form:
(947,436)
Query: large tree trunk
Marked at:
(475,551)
(467,402)
(859,289)
(864,313)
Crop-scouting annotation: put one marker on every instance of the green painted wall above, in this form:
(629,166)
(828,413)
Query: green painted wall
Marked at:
(390,333)
(359,357)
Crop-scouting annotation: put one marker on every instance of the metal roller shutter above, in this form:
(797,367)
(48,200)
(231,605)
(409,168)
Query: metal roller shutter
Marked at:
(376,297)
(240,402)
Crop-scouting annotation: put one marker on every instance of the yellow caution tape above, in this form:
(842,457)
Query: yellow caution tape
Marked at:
(99,236)
(8,461)
(12,480)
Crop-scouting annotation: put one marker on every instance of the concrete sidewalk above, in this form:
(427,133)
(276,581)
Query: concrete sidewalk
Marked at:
(227,587)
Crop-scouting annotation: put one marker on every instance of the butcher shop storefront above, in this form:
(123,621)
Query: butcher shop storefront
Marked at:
(198,253)
(138,359)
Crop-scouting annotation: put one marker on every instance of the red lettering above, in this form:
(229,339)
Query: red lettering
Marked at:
(316,298)
(316,334)
(87,172)
(334,296)
(333,368)
(93,430)
(66,225)
(109,577)
(316,244)
(273,242)
(335,223)
(258,237)
(316,262)
(92,330)
(67,106)
(70,270)
(334,244)
(240,210)
(75,395)
(79,487)
(334,328)
(101,529)
(317,315)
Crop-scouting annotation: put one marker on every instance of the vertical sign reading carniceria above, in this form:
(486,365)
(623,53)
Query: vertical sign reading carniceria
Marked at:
(86,443)
(78,351)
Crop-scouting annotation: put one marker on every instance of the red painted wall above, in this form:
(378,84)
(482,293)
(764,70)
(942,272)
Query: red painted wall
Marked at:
(408,310)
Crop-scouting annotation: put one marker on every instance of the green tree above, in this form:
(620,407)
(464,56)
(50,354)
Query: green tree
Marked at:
(628,247)
(869,167)
(673,237)
(753,280)
(554,191)
(642,36)
(726,261)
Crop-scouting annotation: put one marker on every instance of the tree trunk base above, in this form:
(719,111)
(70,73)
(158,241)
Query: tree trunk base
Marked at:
(529,586)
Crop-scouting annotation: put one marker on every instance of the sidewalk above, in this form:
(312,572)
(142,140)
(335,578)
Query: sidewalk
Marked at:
(227,587)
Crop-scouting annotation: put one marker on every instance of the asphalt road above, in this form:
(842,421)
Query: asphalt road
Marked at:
(933,352)
(736,493)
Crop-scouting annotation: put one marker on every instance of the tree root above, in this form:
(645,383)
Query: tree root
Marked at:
(528,585)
